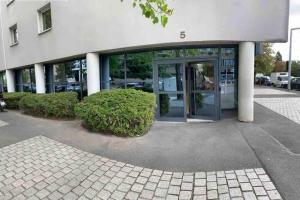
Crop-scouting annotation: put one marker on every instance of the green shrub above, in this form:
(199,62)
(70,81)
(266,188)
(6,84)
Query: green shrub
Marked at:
(12,99)
(53,105)
(123,112)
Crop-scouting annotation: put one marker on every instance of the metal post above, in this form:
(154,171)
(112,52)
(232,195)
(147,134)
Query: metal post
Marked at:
(290,57)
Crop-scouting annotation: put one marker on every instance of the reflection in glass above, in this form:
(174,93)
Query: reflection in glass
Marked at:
(203,104)
(3,83)
(68,76)
(202,76)
(117,71)
(201,52)
(25,80)
(171,105)
(139,71)
(228,78)
(170,77)
(173,53)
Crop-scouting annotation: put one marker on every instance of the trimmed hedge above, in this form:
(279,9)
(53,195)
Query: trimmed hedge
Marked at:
(54,105)
(12,99)
(122,112)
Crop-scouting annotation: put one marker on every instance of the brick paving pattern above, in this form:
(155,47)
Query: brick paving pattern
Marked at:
(289,107)
(41,168)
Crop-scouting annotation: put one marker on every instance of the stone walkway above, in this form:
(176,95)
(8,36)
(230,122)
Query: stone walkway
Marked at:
(41,168)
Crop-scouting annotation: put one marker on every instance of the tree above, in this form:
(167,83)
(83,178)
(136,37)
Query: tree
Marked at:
(155,10)
(278,56)
(296,68)
(264,63)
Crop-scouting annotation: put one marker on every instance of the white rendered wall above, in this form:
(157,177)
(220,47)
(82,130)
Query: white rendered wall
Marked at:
(82,26)
(246,82)
(93,73)
(40,79)
(10,78)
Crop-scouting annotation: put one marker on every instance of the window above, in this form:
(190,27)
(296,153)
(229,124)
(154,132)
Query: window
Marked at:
(25,80)
(67,76)
(3,85)
(44,18)
(14,34)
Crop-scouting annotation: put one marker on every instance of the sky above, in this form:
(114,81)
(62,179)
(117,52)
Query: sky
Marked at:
(294,22)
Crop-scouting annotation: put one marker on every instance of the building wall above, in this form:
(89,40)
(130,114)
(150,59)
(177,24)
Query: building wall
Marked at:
(81,26)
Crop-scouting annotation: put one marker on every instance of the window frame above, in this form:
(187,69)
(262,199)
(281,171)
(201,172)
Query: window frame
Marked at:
(14,35)
(40,16)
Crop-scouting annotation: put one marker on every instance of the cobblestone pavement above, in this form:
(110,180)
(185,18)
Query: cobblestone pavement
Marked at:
(41,168)
(287,106)
(270,91)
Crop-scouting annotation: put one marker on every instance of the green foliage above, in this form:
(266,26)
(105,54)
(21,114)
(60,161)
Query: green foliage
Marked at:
(296,68)
(12,99)
(155,10)
(123,112)
(199,100)
(54,105)
(164,102)
(278,56)
(264,63)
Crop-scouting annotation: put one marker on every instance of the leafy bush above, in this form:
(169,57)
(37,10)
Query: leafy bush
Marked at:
(123,112)
(12,99)
(54,105)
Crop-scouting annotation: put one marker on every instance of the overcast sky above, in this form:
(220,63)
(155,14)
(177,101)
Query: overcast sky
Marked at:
(294,22)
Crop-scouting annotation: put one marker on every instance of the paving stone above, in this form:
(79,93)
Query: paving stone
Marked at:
(249,196)
(246,187)
(160,192)
(200,197)
(174,190)
(132,195)
(260,191)
(235,192)
(147,194)
(269,186)
(200,191)
(187,186)
(223,189)
(40,168)
(117,195)
(212,194)
(185,195)
(274,195)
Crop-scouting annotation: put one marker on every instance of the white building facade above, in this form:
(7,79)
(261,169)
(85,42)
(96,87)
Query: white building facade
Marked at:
(199,66)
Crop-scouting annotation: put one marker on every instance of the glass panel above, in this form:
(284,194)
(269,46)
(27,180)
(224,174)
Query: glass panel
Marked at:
(170,77)
(139,71)
(203,104)
(26,76)
(203,76)
(73,76)
(174,53)
(171,105)
(117,71)
(59,72)
(47,22)
(228,78)
(201,52)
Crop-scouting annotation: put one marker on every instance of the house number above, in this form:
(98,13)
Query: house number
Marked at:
(182,34)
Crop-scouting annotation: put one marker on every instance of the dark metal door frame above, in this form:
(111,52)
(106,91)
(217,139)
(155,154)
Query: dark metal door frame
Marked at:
(184,62)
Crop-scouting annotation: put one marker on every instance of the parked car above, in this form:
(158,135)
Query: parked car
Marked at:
(295,83)
(279,79)
(263,80)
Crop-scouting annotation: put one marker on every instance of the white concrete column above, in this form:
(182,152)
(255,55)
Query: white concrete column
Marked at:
(40,80)
(10,78)
(93,73)
(246,82)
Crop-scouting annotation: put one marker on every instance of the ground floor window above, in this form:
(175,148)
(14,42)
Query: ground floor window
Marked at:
(3,83)
(190,80)
(67,76)
(25,80)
